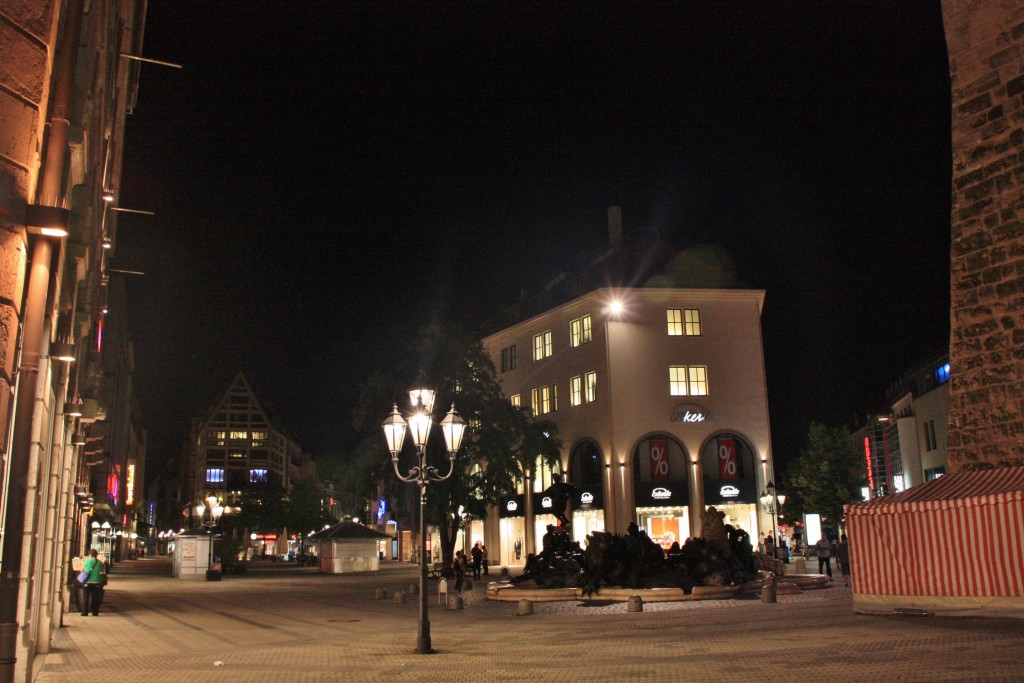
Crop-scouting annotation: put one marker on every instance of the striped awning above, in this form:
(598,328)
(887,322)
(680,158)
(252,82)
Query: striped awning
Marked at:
(961,535)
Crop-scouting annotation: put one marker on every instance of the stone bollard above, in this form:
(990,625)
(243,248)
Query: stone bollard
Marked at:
(525,608)
(801,565)
(413,589)
(399,597)
(504,573)
(455,602)
(636,604)
(768,593)
(381,594)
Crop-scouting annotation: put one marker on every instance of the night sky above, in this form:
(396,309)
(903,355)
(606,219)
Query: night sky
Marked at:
(328,176)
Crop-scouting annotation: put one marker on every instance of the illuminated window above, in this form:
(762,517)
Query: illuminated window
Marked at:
(257,476)
(542,345)
(216,437)
(692,318)
(591,395)
(675,322)
(508,358)
(576,390)
(259,438)
(942,374)
(215,475)
(544,399)
(542,475)
(516,400)
(236,455)
(579,331)
(239,436)
(689,380)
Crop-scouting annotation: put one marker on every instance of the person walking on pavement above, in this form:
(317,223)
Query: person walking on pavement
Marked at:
(483,557)
(769,546)
(478,560)
(459,567)
(823,548)
(92,590)
(843,558)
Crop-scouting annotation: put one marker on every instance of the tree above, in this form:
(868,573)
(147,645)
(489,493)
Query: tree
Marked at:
(501,443)
(828,474)
(304,508)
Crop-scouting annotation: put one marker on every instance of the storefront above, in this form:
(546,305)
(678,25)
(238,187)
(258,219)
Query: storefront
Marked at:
(513,531)
(661,489)
(586,474)
(730,481)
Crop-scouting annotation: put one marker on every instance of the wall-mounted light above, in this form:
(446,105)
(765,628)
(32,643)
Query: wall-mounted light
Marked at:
(108,196)
(62,351)
(50,221)
(73,409)
(107,244)
(148,60)
(121,209)
(79,438)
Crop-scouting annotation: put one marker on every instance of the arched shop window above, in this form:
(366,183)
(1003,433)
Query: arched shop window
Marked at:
(727,462)
(585,466)
(660,466)
(541,476)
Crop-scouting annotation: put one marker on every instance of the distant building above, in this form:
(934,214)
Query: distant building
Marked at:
(906,445)
(236,444)
(658,392)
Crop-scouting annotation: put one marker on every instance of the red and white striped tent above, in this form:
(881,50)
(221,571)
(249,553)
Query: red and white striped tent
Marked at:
(954,545)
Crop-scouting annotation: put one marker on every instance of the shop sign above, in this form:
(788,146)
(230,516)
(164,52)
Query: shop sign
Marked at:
(511,506)
(659,459)
(690,412)
(728,492)
(382,508)
(266,537)
(587,498)
(545,502)
(661,493)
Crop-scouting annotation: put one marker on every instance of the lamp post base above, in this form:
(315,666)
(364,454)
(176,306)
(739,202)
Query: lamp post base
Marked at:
(212,575)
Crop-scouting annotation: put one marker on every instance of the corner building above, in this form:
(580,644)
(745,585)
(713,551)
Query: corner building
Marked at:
(659,395)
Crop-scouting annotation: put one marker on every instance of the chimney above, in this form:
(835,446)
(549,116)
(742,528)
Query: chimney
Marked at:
(615,227)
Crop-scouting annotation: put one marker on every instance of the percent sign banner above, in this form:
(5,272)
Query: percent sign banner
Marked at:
(659,460)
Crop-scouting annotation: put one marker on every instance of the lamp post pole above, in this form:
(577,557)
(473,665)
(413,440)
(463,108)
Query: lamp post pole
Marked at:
(771,501)
(422,474)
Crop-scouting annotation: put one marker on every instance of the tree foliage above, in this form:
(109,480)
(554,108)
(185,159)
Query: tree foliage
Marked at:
(828,474)
(501,442)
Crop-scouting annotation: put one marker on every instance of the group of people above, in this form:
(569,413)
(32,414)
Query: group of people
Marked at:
(477,564)
(826,549)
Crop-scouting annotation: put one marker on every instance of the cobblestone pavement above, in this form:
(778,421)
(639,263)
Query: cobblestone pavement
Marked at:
(297,625)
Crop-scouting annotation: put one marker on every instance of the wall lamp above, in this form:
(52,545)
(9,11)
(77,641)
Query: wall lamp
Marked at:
(79,439)
(73,409)
(125,55)
(63,351)
(122,209)
(108,196)
(50,221)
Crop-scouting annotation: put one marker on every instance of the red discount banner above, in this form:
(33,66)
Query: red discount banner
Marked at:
(728,466)
(659,459)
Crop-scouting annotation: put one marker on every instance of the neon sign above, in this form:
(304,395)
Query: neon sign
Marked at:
(587,498)
(511,506)
(728,492)
(661,493)
(690,412)
(130,486)
(382,508)
(545,502)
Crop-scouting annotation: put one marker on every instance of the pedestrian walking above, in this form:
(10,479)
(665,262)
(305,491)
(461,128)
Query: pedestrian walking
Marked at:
(92,589)
(843,558)
(483,559)
(769,546)
(478,560)
(823,548)
(459,567)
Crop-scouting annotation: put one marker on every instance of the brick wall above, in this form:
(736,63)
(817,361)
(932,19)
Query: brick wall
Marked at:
(985,39)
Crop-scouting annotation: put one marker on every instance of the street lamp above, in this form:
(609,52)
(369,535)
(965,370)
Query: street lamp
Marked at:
(771,503)
(216,510)
(418,426)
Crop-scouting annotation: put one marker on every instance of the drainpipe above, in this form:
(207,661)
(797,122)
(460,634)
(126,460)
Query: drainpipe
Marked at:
(17,536)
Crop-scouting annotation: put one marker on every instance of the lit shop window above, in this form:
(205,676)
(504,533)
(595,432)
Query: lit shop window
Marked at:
(508,358)
(591,394)
(256,476)
(576,390)
(516,400)
(691,316)
(542,345)
(579,331)
(215,475)
(688,380)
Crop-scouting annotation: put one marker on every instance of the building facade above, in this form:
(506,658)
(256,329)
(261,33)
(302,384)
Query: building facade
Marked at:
(66,87)
(234,445)
(660,399)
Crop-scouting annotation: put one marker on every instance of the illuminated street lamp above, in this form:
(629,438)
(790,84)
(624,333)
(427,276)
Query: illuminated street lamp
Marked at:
(771,503)
(419,427)
(216,510)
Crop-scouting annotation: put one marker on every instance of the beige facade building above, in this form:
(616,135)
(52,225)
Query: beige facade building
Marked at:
(660,399)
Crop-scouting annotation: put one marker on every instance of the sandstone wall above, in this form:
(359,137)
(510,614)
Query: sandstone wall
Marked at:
(985,40)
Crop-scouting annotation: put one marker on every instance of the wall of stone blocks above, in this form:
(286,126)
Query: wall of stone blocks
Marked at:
(985,40)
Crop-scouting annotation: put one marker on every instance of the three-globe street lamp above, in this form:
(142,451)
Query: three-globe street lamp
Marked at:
(216,510)
(419,426)
(771,503)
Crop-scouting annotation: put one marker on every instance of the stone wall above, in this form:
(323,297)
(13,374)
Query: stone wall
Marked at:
(985,40)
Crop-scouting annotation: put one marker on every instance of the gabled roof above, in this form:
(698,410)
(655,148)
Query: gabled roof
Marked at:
(239,387)
(347,529)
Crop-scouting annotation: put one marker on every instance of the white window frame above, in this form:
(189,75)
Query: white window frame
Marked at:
(591,384)
(576,390)
(542,346)
(581,331)
(674,319)
(691,319)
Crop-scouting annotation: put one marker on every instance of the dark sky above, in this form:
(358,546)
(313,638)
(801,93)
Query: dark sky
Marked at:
(328,176)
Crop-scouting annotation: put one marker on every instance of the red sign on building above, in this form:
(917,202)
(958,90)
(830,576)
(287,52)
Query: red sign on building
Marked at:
(728,464)
(659,459)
